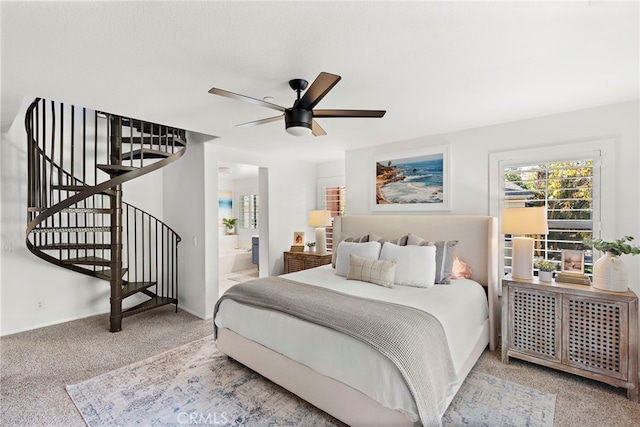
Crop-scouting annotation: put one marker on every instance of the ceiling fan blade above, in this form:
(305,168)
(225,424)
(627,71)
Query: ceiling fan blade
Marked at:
(349,113)
(260,122)
(316,129)
(226,93)
(318,89)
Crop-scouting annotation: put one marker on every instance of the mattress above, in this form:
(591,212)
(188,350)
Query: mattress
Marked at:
(461,307)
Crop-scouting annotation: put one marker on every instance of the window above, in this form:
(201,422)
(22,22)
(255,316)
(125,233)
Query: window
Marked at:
(248,211)
(334,201)
(567,189)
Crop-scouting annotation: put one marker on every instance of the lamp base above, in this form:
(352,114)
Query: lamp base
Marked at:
(321,240)
(522,258)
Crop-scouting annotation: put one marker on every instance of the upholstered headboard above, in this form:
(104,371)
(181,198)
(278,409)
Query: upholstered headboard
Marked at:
(477,243)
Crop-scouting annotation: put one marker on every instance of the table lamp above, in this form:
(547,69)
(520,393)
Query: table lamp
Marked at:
(320,220)
(521,221)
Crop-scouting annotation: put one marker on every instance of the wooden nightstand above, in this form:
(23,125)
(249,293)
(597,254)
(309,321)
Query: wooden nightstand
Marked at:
(572,328)
(296,261)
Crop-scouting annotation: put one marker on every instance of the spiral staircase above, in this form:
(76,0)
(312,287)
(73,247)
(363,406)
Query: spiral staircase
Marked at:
(78,160)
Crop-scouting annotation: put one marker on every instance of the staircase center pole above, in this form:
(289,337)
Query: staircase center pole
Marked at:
(116,228)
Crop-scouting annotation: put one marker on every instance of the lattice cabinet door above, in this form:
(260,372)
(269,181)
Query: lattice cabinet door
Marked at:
(534,323)
(573,328)
(595,335)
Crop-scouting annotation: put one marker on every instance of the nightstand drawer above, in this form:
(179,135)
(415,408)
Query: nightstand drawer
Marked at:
(297,261)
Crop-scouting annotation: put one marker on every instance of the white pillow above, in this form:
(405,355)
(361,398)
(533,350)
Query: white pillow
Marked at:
(366,250)
(415,265)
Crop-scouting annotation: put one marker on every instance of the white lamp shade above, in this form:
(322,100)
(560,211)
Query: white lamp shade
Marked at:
(519,221)
(524,221)
(319,218)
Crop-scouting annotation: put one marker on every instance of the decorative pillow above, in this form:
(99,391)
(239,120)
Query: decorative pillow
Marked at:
(367,250)
(460,270)
(371,237)
(400,241)
(371,270)
(445,253)
(416,265)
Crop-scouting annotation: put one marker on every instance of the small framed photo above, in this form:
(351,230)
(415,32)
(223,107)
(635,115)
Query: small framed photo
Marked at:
(298,238)
(572,261)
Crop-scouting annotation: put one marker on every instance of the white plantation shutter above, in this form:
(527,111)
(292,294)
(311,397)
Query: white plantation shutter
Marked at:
(334,201)
(567,189)
(248,211)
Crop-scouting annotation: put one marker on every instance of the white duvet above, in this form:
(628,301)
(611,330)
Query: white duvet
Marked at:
(461,308)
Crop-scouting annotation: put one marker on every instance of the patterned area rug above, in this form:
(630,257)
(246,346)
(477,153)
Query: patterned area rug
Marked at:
(195,384)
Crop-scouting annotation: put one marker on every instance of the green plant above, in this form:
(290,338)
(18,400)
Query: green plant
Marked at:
(617,247)
(544,264)
(311,244)
(229,222)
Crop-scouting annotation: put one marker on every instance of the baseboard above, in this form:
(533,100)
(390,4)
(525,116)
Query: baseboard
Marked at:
(52,323)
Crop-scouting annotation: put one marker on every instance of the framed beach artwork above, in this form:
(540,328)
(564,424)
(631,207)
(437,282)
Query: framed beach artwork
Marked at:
(416,180)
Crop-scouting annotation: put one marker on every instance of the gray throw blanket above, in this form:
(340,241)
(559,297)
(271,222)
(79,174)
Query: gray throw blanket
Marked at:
(412,339)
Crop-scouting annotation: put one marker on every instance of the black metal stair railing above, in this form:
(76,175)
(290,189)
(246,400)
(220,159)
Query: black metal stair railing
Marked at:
(78,160)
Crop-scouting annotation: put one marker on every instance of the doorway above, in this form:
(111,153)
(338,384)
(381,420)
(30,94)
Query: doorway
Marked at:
(239,223)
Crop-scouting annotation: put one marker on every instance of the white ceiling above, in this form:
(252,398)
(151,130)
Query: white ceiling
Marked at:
(434,66)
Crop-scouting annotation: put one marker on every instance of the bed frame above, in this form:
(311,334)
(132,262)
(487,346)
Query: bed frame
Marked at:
(478,247)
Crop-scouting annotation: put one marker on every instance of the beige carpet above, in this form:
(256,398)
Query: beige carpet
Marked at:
(36,365)
(197,382)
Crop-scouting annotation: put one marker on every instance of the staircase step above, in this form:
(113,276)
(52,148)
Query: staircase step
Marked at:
(116,169)
(152,140)
(87,260)
(81,246)
(106,211)
(148,305)
(106,273)
(146,153)
(131,288)
(79,188)
(101,229)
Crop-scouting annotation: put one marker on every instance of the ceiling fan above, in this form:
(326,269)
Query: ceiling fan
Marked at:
(300,118)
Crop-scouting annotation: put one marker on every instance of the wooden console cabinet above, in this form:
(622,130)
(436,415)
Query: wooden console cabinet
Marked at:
(296,261)
(573,328)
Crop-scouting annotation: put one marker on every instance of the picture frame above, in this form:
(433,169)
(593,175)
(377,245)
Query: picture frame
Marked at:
(572,261)
(298,238)
(225,205)
(414,180)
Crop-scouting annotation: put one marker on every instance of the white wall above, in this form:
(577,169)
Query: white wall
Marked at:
(192,208)
(26,280)
(471,149)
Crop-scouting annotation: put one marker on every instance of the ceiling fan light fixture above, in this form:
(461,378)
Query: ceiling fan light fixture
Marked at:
(298,121)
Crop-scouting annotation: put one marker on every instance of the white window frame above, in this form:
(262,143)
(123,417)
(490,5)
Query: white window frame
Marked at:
(253,214)
(322,183)
(602,151)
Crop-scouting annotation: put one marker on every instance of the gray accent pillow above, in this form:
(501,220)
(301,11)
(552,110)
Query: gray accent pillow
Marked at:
(445,254)
(371,270)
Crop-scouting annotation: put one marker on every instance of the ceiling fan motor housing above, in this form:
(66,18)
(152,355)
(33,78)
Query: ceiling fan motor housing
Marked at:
(297,118)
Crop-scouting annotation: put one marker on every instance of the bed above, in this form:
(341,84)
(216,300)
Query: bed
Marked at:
(345,377)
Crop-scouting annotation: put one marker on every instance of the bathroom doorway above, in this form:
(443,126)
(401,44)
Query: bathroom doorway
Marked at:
(239,224)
